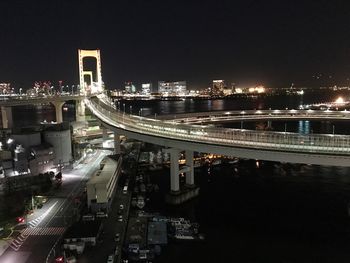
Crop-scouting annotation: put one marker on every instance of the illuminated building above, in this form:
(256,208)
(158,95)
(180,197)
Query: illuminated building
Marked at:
(218,87)
(5,88)
(146,88)
(129,88)
(176,88)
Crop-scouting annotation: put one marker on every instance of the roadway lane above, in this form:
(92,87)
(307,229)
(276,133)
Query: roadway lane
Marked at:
(34,244)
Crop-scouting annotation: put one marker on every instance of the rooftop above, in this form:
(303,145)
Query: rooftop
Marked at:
(103,176)
(84,229)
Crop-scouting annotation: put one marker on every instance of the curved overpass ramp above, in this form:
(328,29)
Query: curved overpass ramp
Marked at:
(321,149)
(257,115)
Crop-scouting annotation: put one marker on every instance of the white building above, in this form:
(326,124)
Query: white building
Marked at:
(146,89)
(176,88)
(101,186)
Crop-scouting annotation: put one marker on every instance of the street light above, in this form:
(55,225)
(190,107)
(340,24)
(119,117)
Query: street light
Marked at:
(124,107)
(130,109)
(20,91)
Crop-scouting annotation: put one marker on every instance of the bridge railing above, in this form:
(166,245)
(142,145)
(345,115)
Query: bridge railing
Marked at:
(283,141)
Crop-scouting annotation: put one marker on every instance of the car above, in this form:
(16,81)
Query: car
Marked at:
(117,237)
(116,251)
(88,217)
(101,215)
(121,207)
(120,218)
(110,259)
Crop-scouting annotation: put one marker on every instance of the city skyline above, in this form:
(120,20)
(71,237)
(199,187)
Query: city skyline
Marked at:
(246,42)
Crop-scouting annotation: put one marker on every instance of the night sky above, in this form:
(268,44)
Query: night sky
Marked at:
(274,43)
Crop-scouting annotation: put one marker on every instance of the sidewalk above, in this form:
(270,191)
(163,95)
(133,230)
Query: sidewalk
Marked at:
(4,244)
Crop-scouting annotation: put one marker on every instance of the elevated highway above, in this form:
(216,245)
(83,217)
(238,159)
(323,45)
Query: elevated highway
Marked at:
(257,115)
(6,104)
(321,149)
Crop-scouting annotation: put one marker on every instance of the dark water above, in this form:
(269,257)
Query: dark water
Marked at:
(28,115)
(251,214)
(271,213)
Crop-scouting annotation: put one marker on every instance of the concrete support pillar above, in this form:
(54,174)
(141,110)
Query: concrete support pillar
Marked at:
(189,164)
(174,170)
(116,143)
(104,134)
(269,124)
(79,110)
(6,115)
(58,108)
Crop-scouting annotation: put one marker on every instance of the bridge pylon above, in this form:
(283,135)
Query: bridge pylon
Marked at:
(179,195)
(94,87)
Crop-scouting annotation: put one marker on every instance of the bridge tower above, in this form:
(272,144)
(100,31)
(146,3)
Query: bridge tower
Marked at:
(96,86)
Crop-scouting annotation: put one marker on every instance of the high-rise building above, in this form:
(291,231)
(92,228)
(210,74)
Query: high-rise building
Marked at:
(5,88)
(218,87)
(146,89)
(129,88)
(176,88)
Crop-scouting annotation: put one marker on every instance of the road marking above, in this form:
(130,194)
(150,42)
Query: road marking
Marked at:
(33,223)
(44,231)
(18,242)
(37,231)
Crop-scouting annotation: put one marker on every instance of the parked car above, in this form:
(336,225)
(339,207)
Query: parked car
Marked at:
(101,215)
(110,259)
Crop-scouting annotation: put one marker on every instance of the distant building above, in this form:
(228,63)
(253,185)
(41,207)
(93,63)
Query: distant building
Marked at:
(129,88)
(146,89)
(218,87)
(101,186)
(176,88)
(5,88)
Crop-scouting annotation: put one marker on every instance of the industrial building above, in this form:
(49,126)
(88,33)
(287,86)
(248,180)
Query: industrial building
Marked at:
(59,136)
(41,158)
